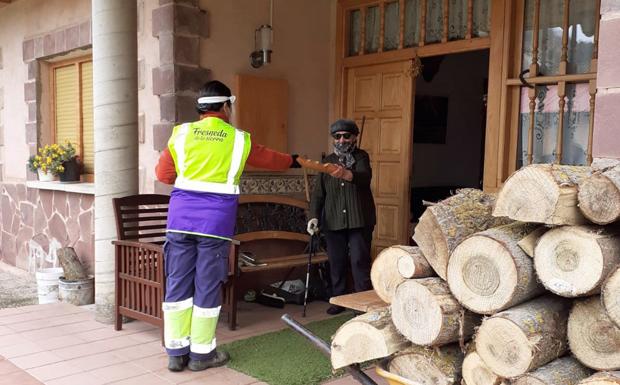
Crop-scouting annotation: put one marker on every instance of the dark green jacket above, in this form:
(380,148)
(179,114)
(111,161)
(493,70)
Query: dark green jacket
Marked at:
(339,204)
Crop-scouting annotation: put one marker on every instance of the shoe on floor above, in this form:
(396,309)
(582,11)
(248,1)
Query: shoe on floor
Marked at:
(177,363)
(333,310)
(220,359)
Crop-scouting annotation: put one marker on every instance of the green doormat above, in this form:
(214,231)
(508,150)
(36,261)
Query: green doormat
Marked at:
(284,357)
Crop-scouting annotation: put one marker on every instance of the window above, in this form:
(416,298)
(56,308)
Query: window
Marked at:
(72,107)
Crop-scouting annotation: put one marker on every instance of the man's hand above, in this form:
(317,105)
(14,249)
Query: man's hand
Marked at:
(313,226)
(342,173)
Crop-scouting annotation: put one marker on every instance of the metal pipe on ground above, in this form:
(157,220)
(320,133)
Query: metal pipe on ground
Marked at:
(354,370)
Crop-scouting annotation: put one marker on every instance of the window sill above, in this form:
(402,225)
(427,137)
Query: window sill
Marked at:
(78,188)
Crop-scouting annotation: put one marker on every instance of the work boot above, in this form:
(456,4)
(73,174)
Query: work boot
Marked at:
(219,359)
(177,363)
(333,310)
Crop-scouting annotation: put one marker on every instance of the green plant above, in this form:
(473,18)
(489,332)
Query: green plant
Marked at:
(51,157)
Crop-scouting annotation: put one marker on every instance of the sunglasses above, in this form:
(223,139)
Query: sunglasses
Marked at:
(338,136)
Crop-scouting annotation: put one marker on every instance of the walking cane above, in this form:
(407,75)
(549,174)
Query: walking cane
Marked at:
(311,252)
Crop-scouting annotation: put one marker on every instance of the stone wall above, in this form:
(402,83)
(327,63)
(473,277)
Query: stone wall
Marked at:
(49,219)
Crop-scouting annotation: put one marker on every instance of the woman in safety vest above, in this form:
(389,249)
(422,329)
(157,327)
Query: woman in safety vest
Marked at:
(204,160)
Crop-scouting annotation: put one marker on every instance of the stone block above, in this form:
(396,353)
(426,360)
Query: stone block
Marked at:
(49,44)
(166,48)
(31,133)
(141,73)
(163,19)
(609,54)
(186,50)
(188,20)
(606,142)
(28,50)
(163,80)
(32,112)
(85,34)
(30,91)
(72,37)
(59,40)
(167,107)
(609,6)
(38,47)
(161,134)
(190,78)
(33,70)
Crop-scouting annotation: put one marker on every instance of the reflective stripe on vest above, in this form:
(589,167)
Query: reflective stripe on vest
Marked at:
(206,159)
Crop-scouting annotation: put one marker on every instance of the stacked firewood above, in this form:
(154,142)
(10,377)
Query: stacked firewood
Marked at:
(520,288)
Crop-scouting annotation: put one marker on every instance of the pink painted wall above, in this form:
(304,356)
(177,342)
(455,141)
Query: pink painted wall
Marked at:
(606,139)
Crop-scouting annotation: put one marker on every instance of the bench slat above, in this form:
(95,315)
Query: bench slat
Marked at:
(282,263)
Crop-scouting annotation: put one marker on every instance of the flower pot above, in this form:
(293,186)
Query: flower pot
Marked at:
(72,171)
(45,176)
(77,292)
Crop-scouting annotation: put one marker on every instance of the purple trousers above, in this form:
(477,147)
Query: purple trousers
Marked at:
(195,266)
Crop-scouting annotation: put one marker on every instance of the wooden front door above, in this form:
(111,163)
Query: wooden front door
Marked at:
(383,95)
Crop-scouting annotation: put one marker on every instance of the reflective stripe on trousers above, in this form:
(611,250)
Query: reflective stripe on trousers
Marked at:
(189,326)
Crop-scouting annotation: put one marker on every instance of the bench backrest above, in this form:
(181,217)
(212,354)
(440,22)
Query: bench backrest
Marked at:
(141,217)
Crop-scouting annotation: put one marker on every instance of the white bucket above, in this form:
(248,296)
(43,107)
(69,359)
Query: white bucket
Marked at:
(47,284)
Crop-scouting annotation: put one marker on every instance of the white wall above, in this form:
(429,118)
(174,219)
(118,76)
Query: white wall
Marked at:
(302,54)
(457,162)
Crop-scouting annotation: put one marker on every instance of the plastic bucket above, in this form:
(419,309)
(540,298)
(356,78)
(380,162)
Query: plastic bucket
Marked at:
(47,284)
(78,292)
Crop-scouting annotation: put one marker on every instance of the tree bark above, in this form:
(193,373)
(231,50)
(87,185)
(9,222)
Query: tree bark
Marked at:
(384,274)
(562,371)
(366,337)
(71,265)
(602,378)
(440,366)
(593,338)
(476,372)
(599,196)
(425,312)
(573,261)
(489,272)
(610,296)
(525,337)
(443,226)
(542,193)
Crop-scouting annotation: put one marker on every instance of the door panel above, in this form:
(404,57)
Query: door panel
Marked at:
(383,94)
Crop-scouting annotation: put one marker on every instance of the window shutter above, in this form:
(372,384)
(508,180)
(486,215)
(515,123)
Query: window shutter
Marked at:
(67,102)
(88,141)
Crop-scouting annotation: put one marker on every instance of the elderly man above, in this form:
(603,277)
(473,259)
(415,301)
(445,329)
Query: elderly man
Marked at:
(343,206)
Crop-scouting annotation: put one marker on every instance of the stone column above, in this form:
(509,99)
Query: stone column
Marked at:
(115,104)
(606,142)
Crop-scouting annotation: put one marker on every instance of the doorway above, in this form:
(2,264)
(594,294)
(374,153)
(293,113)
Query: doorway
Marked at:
(449,123)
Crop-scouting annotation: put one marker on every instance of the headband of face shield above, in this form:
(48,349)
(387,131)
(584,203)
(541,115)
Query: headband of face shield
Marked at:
(214,99)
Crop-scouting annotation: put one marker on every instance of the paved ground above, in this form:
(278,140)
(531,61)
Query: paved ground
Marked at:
(16,290)
(61,344)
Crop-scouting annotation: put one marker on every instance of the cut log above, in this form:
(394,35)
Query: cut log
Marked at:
(542,193)
(563,371)
(610,294)
(489,272)
(602,378)
(524,337)
(366,337)
(425,312)
(385,275)
(528,244)
(424,366)
(599,196)
(573,261)
(476,372)
(443,226)
(413,264)
(71,265)
(593,338)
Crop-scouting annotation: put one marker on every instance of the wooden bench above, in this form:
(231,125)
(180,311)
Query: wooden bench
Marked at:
(272,227)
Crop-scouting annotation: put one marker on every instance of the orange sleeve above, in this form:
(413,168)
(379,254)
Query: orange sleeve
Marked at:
(165,171)
(263,157)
